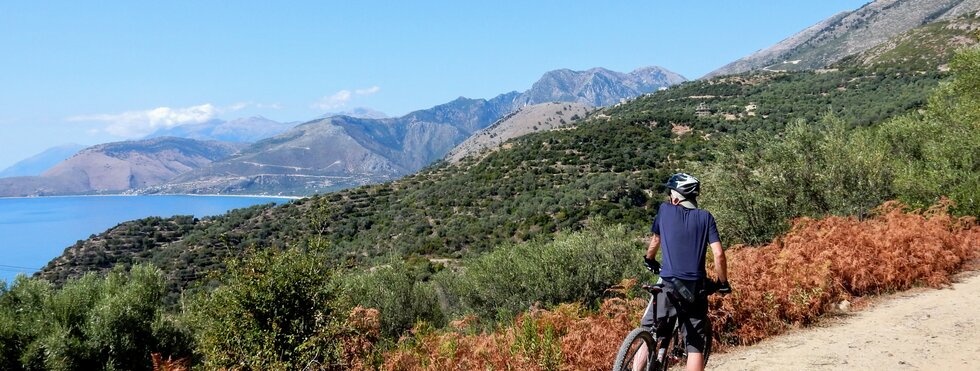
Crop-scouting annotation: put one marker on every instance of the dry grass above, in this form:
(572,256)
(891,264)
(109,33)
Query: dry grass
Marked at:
(169,364)
(564,338)
(820,263)
(789,282)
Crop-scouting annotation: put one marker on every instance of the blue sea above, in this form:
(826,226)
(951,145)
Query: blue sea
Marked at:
(35,230)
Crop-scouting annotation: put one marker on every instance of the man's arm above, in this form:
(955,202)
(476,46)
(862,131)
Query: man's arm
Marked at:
(721,264)
(654,247)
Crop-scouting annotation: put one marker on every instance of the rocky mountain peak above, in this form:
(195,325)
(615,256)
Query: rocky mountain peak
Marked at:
(848,33)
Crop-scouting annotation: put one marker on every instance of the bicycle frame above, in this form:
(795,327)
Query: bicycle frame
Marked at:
(667,350)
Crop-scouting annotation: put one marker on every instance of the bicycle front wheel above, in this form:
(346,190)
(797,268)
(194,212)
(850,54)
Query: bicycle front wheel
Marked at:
(707,342)
(636,348)
(677,349)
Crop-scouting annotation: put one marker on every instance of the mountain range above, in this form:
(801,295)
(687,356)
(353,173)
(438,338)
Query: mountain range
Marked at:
(605,166)
(120,166)
(242,130)
(363,146)
(39,163)
(848,33)
(342,151)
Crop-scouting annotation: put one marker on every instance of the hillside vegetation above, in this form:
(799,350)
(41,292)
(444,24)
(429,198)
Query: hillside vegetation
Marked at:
(787,283)
(508,259)
(608,166)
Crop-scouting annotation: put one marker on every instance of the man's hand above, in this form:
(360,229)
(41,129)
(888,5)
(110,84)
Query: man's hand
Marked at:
(652,265)
(724,288)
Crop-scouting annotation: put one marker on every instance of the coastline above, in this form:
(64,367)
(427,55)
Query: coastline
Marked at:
(37,231)
(176,194)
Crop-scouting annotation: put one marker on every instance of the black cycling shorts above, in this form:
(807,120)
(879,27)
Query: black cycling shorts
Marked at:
(693,317)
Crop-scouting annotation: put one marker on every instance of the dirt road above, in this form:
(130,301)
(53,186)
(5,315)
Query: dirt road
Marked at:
(920,330)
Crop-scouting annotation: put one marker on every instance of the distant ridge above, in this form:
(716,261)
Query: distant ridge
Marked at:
(359,112)
(242,130)
(925,48)
(526,120)
(848,33)
(342,151)
(120,166)
(37,164)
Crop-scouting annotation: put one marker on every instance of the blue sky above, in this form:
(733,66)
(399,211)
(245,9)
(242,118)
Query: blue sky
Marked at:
(104,71)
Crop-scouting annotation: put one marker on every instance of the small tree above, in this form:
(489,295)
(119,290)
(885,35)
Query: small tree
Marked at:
(272,310)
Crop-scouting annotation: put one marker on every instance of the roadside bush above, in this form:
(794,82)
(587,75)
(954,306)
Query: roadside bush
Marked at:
(111,322)
(576,267)
(273,310)
(758,183)
(401,295)
(567,337)
(936,154)
(791,281)
(800,276)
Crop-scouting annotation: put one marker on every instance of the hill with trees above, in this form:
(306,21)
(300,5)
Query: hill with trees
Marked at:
(512,258)
(607,166)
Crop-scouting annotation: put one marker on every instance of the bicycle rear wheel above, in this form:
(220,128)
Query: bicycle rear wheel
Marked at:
(632,348)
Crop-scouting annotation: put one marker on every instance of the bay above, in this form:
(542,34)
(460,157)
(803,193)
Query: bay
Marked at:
(35,230)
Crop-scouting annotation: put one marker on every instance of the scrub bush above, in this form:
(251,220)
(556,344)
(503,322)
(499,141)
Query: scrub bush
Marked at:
(800,276)
(791,281)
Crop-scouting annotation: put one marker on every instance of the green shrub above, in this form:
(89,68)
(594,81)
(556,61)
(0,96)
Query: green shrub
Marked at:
(400,292)
(757,182)
(273,310)
(936,154)
(93,322)
(575,267)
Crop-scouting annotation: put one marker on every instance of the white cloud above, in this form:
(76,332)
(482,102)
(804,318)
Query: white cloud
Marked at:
(134,124)
(341,98)
(243,105)
(368,91)
(139,123)
(337,100)
(239,106)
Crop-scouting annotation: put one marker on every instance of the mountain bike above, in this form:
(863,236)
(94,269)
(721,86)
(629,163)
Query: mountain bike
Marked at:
(661,353)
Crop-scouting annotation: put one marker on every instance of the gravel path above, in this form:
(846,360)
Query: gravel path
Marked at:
(922,329)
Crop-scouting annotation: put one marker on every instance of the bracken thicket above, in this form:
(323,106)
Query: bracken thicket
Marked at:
(788,282)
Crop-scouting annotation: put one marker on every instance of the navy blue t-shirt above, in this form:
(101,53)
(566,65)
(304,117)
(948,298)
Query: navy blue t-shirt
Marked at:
(684,238)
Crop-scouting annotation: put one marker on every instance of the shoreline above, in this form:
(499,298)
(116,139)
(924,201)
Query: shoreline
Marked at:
(176,194)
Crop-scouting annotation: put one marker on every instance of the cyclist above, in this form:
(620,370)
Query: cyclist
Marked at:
(683,232)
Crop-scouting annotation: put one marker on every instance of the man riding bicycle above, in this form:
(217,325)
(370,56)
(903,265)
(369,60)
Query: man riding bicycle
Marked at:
(683,232)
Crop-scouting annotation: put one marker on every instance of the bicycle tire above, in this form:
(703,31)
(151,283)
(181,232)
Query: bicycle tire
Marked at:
(670,348)
(637,337)
(707,342)
(670,361)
